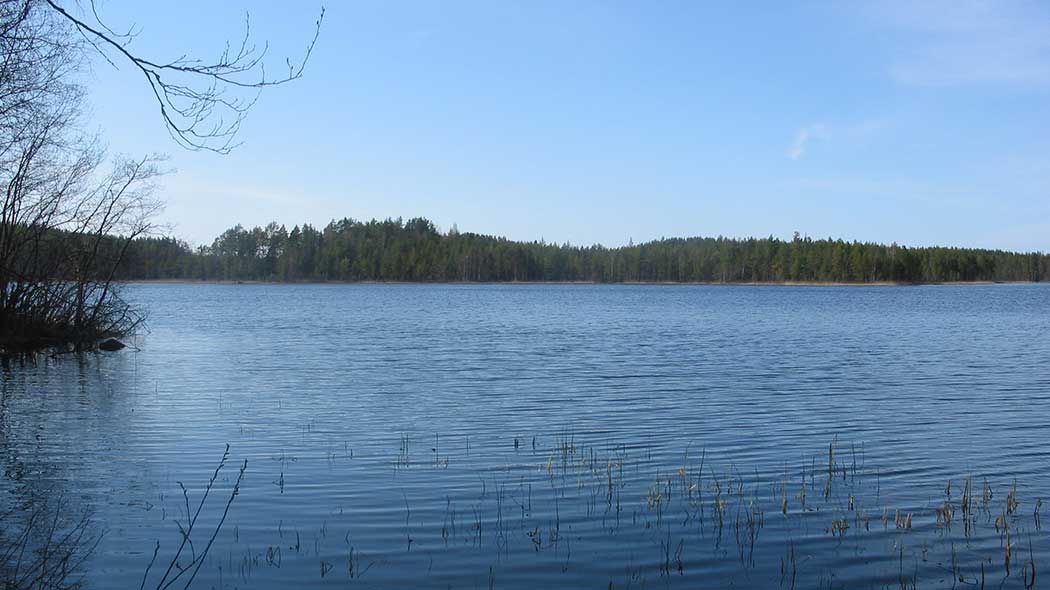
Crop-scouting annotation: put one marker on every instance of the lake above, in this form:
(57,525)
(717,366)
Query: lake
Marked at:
(513,436)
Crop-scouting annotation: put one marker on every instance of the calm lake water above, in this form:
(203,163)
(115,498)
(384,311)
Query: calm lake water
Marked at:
(483,436)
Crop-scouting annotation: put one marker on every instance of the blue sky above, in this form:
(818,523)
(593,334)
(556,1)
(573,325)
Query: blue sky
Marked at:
(915,122)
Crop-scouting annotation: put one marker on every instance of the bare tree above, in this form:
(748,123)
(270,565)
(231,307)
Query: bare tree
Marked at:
(65,223)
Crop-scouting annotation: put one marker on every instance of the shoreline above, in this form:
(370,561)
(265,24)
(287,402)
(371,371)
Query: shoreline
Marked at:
(635,283)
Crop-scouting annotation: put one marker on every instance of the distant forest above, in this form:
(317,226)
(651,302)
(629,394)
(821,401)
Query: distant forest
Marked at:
(414,250)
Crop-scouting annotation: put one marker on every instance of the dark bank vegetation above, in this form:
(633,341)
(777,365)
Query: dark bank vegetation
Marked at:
(396,250)
(68,211)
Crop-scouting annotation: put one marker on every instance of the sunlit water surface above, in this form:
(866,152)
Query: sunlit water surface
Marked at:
(483,436)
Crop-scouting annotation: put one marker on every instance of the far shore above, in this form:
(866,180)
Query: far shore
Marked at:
(640,283)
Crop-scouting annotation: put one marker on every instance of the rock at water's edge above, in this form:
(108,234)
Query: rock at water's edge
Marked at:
(111,344)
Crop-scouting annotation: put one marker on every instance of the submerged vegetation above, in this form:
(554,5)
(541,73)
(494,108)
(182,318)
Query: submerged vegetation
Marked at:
(396,250)
(608,515)
(613,515)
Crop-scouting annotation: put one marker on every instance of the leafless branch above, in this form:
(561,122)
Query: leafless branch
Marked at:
(200,112)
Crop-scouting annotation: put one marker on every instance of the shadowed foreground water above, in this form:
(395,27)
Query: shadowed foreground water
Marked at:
(590,436)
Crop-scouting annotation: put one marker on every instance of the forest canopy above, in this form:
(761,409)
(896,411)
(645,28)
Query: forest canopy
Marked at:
(416,251)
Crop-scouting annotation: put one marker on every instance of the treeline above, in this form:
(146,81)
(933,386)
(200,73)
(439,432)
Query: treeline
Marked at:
(414,250)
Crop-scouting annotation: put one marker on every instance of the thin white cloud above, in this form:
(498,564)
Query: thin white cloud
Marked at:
(852,133)
(804,137)
(951,42)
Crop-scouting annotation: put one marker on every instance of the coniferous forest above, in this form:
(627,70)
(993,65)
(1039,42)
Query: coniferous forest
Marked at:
(416,251)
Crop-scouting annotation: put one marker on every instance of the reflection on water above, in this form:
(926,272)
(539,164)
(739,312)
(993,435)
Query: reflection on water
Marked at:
(512,436)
